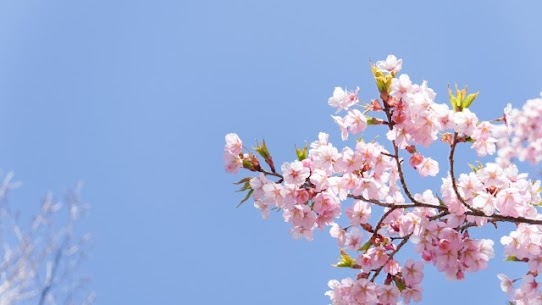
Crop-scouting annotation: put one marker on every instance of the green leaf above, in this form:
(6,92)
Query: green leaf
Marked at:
(365,247)
(460,96)
(301,152)
(469,99)
(512,258)
(249,193)
(383,81)
(453,99)
(373,121)
(244,180)
(245,187)
(346,261)
(461,100)
(477,167)
(399,283)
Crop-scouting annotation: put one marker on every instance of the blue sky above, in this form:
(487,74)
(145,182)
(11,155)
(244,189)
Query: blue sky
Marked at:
(134,99)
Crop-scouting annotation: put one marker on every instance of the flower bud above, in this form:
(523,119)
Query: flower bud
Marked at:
(411,149)
(251,163)
(415,160)
(375,105)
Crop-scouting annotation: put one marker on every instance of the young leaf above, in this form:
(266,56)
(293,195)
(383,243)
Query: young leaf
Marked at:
(399,283)
(512,258)
(301,152)
(345,261)
(249,193)
(365,247)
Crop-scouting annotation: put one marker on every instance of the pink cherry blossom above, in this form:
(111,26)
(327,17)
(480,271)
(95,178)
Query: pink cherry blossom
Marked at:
(387,294)
(234,145)
(342,99)
(353,239)
(232,163)
(506,283)
(364,193)
(390,65)
(465,122)
(401,87)
(337,232)
(364,292)
(295,172)
(413,272)
(359,213)
(263,207)
(412,293)
(428,167)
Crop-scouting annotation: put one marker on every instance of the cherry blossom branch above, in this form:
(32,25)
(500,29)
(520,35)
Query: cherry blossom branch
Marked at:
(316,184)
(415,204)
(395,156)
(392,254)
(440,215)
(498,217)
(452,175)
(475,212)
(261,170)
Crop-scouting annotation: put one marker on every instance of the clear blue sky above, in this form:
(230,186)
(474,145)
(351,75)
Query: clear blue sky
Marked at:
(134,98)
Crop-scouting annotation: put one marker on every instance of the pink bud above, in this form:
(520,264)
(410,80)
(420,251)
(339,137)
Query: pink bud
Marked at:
(411,149)
(460,275)
(375,105)
(415,160)
(301,196)
(426,255)
(444,245)
(447,138)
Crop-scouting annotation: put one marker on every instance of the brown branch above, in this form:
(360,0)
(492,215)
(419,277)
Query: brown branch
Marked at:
(390,257)
(395,155)
(452,176)
(475,212)
(416,204)
(442,214)
(261,170)
(498,217)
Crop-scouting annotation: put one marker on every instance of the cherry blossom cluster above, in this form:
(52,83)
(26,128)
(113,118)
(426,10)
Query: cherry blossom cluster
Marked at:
(360,192)
(525,140)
